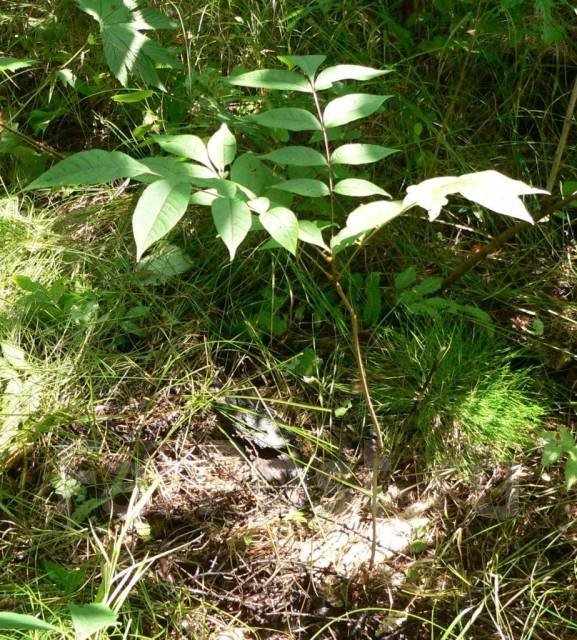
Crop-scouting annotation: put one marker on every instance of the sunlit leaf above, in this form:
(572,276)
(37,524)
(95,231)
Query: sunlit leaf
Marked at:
(283,226)
(304,187)
(490,189)
(186,146)
(374,214)
(9,620)
(272,79)
(351,107)
(90,618)
(232,219)
(330,75)
(360,153)
(308,64)
(15,64)
(310,233)
(289,118)
(222,148)
(89,167)
(161,205)
(357,188)
(298,156)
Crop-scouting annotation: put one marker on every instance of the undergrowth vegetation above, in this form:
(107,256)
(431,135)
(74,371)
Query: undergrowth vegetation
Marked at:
(186,442)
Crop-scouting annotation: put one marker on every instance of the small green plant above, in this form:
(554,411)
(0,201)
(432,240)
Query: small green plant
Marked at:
(299,193)
(557,446)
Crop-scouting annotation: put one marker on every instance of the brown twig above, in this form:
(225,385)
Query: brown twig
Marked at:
(35,143)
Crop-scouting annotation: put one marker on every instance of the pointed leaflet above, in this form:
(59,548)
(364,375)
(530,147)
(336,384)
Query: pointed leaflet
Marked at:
(360,153)
(283,227)
(170,168)
(350,108)
(222,148)
(232,219)
(161,205)
(89,167)
(374,214)
(357,188)
(272,79)
(309,232)
(90,618)
(299,156)
(186,146)
(9,620)
(328,76)
(289,118)
(309,64)
(490,189)
(304,187)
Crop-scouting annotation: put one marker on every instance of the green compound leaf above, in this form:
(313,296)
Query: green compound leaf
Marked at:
(406,278)
(357,188)
(90,618)
(89,167)
(232,219)
(272,79)
(9,620)
(352,107)
(304,187)
(308,64)
(330,75)
(297,156)
(126,49)
(360,153)
(185,146)
(283,226)
(161,205)
(373,215)
(289,118)
(222,148)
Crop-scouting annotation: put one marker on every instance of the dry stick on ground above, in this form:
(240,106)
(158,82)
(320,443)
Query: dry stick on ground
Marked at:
(548,208)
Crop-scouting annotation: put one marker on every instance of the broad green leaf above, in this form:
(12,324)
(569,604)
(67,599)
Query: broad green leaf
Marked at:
(490,189)
(330,75)
(14,356)
(204,198)
(272,79)
(428,286)
(170,261)
(566,439)
(232,219)
(374,214)
(133,96)
(289,118)
(90,618)
(9,620)
(552,452)
(161,205)
(310,233)
(283,226)
(15,64)
(358,188)
(304,187)
(89,167)
(260,205)
(360,153)
(126,49)
(352,107)
(185,146)
(406,278)
(571,471)
(172,169)
(222,148)
(308,64)
(299,156)
(343,239)
(248,171)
